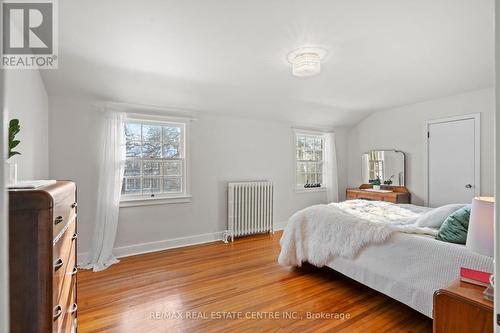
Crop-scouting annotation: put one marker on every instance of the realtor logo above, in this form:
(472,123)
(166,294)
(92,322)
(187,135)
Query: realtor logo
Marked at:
(29,34)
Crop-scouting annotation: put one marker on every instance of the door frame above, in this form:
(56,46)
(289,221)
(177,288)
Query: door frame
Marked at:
(477,148)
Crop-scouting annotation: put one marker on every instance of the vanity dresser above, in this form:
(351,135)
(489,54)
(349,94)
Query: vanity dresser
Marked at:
(383,167)
(42,251)
(394,194)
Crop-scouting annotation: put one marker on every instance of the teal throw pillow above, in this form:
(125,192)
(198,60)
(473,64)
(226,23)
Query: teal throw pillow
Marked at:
(454,228)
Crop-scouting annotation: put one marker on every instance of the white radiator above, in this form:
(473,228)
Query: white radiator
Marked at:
(250,209)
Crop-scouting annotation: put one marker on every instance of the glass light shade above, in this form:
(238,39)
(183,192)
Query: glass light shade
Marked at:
(480,234)
(306,64)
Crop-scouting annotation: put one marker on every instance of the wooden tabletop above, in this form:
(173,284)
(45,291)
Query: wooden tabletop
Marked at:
(468,291)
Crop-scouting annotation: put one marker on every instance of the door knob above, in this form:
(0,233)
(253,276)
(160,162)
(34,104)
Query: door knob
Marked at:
(468,186)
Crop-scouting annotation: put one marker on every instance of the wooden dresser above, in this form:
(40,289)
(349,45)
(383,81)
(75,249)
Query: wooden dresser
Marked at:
(461,308)
(398,194)
(42,245)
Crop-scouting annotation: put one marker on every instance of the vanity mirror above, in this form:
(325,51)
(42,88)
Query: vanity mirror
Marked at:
(387,165)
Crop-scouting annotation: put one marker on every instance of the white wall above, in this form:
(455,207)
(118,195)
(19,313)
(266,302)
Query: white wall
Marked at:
(403,129)
(26,99)
(222,149)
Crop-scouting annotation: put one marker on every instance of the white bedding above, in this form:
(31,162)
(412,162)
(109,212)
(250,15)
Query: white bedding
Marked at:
(319,233)
(409,268)
(376,244)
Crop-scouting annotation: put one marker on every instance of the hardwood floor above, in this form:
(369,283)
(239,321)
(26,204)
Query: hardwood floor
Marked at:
(146,293)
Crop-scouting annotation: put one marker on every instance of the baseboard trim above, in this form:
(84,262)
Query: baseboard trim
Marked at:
(136,249)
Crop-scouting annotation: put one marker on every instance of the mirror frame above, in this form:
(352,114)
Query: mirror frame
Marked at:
(391,150)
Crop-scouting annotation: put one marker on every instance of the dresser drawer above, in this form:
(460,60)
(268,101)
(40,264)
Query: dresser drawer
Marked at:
(64,256)
(68,314)
(69,320)
(351,196)
(67,297)
(64,211)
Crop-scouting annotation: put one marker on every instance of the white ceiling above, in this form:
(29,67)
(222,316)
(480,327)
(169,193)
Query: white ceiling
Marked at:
(229,56)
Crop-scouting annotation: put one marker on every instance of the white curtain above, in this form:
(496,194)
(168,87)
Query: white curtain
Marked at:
(331,177)
(111,169)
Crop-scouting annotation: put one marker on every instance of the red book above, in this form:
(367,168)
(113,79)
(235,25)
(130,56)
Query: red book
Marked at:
(474,276)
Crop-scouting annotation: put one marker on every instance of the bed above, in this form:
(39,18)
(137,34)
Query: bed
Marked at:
(406,263)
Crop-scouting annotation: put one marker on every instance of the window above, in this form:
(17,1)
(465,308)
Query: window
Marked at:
(309,158)
(155,165)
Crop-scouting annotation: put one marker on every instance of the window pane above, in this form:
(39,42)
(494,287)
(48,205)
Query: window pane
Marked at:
(301,178)
(151,149)
(131,186)
(307,155)
(309,143)
(311,177)
(317,143)
(319,178)
(151,185)
(172,168)
(301,167)
(171,151)
(132,168)
(133,149)
(151,133)
(301,142)
(151,168)
(318,155)
(171,135)
(172,184)
(311,167)
(133,131)
(319,167)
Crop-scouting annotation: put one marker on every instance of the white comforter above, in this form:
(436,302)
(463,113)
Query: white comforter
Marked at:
(318,234)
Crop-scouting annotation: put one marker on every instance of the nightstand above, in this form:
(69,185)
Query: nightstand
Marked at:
(461,308)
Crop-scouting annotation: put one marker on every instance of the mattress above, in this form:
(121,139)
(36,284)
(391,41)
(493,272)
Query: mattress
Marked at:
(410,268)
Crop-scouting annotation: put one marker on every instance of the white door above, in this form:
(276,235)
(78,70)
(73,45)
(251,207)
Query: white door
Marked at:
(452,161)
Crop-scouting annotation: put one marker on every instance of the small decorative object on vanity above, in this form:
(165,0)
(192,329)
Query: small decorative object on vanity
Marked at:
(376,184)
(42,248)
(461,307)
(14,128)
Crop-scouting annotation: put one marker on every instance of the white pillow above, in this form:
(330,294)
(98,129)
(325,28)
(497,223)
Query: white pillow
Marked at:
(435,217)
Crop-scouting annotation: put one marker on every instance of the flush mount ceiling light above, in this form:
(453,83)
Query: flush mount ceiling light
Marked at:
(306,61)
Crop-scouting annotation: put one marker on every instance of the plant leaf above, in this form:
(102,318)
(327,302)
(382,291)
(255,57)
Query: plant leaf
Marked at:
(13,144)
(12,153)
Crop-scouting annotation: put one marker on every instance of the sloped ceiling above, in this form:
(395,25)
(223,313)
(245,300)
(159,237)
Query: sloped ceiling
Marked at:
(229,56)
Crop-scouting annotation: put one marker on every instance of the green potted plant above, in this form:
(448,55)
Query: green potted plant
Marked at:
(388,182)
(14,129)
(376,184)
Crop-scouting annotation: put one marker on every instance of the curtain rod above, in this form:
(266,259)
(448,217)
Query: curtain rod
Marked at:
(313,129)
(146,110)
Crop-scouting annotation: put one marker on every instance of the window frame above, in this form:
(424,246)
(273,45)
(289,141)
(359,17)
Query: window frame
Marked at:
(132,200)
(308,133)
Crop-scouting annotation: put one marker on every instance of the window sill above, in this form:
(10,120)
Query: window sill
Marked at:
(134,202)
(310,190)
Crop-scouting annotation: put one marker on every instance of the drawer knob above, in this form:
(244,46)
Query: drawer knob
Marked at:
(74,271)
(58,264)
(57,311)
(73,309)
(58,220)
(74,204)
(75,236)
